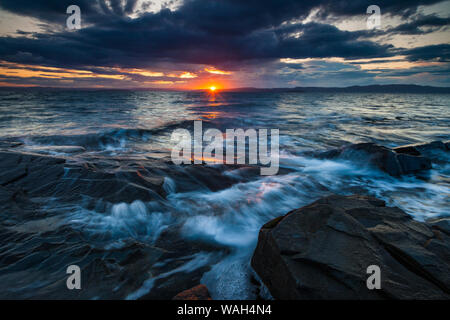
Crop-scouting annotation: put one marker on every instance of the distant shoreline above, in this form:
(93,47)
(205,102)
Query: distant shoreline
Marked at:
(353,89)
(392,88)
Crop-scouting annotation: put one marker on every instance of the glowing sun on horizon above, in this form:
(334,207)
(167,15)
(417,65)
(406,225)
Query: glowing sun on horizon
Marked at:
(212,88)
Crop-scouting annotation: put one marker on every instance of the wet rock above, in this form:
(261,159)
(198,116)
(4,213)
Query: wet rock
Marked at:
(5,194)
(442,224)
(199,292)
(412,164)
(421,148)
(126,185)
(189,178)
(14,174)
(11,158)
(323,250)
(27,171)
(48,176)
(409,149)
(383,158)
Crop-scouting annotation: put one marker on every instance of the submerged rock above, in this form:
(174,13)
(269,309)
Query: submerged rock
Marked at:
(423,149)
(323,250)
(383,158)
(199,292)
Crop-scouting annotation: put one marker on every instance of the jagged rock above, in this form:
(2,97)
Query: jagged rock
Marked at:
(383,158)
(322,251)
(48,176)
(199,292)
(429,150)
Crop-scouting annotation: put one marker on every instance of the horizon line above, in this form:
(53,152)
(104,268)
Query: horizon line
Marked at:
(221,90)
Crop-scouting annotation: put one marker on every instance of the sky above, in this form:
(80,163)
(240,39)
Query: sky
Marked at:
(196,44)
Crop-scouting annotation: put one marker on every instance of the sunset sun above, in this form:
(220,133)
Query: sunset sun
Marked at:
(212,88)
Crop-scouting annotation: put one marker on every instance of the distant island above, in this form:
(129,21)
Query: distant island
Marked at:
(390,88)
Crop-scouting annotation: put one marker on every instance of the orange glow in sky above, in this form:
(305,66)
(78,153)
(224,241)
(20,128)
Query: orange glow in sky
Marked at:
(211,85)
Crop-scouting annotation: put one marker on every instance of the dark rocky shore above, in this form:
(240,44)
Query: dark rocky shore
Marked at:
(30,180)
(320,251)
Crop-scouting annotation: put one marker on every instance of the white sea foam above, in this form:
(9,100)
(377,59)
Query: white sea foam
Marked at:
(123,220)
(169,185)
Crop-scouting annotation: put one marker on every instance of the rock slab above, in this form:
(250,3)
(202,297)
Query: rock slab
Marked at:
(323,250)
(50,176)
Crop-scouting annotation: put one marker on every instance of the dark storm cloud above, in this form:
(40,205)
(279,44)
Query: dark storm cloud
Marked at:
(322,41)
(218,14)
(54,10)
(201,32)
(402,8)
(440,52)
(164,36)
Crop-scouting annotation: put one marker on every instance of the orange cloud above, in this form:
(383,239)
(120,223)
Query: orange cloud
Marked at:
(29,71)
(184,75)
(24,73)
(188,75)
(160,82)
(164,82)
(216,71)
(142,72)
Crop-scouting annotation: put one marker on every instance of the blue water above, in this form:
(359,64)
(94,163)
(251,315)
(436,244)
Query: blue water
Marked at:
(138,125)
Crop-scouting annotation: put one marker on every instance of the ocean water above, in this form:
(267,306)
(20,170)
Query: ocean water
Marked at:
(205,229)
